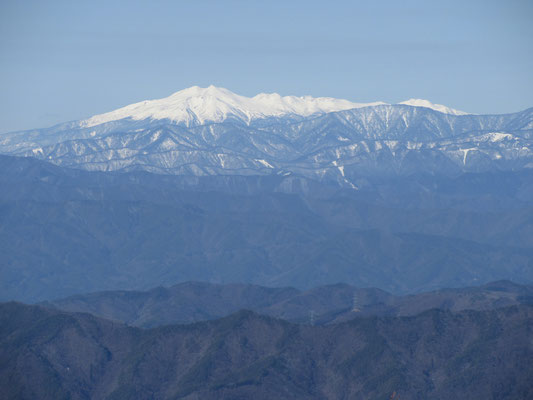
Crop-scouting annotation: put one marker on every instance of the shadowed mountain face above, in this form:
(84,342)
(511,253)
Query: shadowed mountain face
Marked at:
(64,231)
(436,354)
(194,301)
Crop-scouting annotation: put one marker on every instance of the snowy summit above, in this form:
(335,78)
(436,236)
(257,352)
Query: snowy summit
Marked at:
(436,107)
(196,106)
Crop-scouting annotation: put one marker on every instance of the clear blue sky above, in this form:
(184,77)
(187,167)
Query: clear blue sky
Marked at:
(66,60)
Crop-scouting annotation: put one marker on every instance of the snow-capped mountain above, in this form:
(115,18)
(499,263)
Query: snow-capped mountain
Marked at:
(197,106)
(436,107)
(213,131)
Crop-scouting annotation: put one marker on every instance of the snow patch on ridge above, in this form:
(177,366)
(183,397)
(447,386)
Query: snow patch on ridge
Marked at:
(497,136)
(265,163)
(436,107)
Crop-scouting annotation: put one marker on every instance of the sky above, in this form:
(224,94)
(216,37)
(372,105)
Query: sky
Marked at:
(69,60)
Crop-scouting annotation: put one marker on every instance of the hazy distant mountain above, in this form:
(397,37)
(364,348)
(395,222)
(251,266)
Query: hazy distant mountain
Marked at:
(48,354)
(64,232)
(198,106)
(261,190)
(194,301)
(213,131)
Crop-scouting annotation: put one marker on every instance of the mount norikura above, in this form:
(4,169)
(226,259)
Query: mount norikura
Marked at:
(213,131)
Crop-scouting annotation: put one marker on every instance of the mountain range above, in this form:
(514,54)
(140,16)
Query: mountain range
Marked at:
(207,185)
(66,231)
(190,302)
(212,131)
(52,354)
(316,248)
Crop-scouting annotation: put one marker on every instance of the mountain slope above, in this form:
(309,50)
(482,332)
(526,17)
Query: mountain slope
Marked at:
(197,106)
(216,132)
(436,107)
(64,231)
(476,355)
(194,301)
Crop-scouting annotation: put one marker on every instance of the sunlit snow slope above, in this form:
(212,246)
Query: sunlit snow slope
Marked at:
(196,106)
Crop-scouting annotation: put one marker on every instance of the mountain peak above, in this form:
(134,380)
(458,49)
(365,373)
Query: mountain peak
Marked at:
(197,105)
(436,107)
(197,91)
